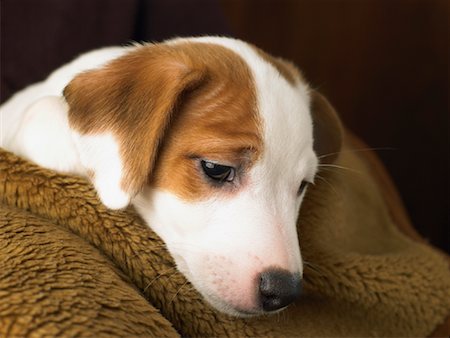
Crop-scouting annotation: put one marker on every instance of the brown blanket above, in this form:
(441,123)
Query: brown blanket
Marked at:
(69,267)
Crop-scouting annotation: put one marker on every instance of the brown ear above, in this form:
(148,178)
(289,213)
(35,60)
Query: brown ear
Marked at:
(132,100)
(328,130)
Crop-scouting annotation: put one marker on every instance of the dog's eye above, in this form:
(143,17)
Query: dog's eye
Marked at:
(218,172)
(302,187)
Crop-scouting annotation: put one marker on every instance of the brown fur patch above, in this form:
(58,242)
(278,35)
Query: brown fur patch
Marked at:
(175,103)
(328,132)
(286,68)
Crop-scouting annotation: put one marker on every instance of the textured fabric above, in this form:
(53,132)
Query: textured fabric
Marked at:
(53,283)
(74,268)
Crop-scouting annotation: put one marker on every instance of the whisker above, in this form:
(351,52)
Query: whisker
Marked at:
(314,267)
(192,288)
(357,151)
(159,276)
(329,184)
(326,166)
(174,296)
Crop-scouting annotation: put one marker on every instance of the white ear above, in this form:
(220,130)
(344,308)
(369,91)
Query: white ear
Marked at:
(100,155)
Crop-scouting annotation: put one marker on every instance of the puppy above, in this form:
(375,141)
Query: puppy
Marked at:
(213,141)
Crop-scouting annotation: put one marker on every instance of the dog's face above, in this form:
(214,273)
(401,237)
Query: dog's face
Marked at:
(212,140)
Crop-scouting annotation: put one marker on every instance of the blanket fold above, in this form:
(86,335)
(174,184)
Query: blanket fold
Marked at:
(70,267)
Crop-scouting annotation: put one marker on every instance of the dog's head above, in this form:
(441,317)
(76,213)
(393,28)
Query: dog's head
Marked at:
(214,142)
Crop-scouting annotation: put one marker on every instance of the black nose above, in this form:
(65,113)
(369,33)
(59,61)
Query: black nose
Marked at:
(278,288)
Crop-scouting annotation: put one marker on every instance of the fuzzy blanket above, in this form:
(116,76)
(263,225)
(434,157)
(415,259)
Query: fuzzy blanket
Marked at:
(70,267)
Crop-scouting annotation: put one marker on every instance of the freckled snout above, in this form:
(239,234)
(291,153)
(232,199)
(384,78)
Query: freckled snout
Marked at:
(278,288)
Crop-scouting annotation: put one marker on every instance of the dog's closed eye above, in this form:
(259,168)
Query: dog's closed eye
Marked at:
(302,187)
(218,172)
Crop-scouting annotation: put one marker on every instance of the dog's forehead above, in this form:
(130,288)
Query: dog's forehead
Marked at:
(282,101)
(284,108)
(251,102)
(282,97)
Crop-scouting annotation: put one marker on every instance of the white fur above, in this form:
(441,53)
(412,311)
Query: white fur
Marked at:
(221,244)
(42,124)
(12,111)
(101,155)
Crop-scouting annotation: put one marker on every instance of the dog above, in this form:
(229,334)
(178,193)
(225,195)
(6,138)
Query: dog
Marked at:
(213,141)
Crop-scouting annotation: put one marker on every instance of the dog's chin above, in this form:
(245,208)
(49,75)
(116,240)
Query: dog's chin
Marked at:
(215,301)
(228,309)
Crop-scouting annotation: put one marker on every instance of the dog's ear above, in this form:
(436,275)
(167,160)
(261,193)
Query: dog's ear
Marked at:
(327,128)
(119,114)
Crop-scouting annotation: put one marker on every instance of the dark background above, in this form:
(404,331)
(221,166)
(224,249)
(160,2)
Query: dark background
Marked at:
(382,63)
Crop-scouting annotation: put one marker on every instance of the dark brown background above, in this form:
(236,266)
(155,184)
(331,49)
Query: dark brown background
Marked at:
(383,64)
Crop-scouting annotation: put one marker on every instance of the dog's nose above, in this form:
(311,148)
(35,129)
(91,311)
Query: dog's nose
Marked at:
(278,288)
